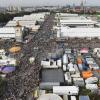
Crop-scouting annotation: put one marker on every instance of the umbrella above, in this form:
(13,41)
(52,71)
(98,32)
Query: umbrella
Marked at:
(31,59)
(8,69)
(84,50)
(15,49)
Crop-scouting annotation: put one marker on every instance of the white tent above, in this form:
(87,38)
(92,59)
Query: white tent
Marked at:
(68,90)
(49,97)
(79,32)
(91,86)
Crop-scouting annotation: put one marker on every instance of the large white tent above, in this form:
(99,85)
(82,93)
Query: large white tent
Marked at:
(78,32)
(8,32)
(77,21)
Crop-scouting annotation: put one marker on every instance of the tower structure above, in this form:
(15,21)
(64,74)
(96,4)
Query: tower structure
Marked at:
(18,32)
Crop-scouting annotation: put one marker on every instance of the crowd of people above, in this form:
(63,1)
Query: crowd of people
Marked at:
(22,82)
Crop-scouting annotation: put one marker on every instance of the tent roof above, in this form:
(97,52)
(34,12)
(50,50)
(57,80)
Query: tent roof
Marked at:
(79,32)
(14,49)
(7,30)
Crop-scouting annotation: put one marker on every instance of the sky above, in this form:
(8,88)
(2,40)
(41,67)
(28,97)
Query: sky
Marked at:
(45,2)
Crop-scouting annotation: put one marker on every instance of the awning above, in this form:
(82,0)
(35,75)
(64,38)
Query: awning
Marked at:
(84,50)
(8,69)
(14,49)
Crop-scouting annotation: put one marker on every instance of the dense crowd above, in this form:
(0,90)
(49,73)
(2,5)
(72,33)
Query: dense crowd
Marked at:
(22,82)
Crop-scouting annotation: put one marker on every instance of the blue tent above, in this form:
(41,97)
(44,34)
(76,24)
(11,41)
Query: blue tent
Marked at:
(8,69)
(84,98)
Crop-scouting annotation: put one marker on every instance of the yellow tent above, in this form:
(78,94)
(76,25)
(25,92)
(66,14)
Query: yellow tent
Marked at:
(87,74)
(15,49)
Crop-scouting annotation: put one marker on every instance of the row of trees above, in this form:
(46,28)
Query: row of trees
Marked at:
(5,17)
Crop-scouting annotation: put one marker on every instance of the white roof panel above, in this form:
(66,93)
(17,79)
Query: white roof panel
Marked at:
(49,97)
(67,14)
(17,18)
(67,88)
(73,98)
(7,36)
(77,21)
(80,32)
(22,23)
(7,30)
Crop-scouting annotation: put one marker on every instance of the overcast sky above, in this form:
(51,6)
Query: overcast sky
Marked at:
(45,2)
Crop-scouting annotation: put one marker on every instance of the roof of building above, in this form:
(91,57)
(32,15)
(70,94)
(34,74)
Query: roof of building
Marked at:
(67,88)
(31,17)
(84,98)
(67,14)
(8,30)
(73,98)
(52,75)
(49,97)
(22,23)
(77,21)
(17,18)
(73,17)
(80,32)
(7,36)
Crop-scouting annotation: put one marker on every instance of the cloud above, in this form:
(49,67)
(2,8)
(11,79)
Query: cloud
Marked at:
(45,2)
